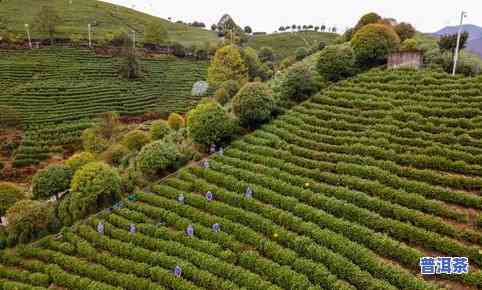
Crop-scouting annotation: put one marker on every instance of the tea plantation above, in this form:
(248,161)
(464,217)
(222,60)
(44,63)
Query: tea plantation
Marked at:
(345,191)
(59,91)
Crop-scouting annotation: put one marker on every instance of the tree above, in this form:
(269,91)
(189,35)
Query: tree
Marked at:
(51,181)
(76,161)
(155,33)
(135,140)
(176,121)
(323,28)
(253,104)
(159,129)
(248,30)
(373,43)
(409,44)
(266,54)
(293,27)
(317,28)
(449,42)
(256,69)
(108,125)
(156,157)
(9,195)
(227,64)
(369,18)
(300,83)
(281,28)
(47,21)
(405,31)
(130,67)
(214,27)
(92,141)
(208,123)
(94,186)
(336,62)
(301,53)
(28,219)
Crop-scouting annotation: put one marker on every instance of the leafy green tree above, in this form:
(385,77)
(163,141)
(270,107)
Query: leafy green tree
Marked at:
(9,195)
(156,157)
(159,129)
(47,20)
(176,121)
(51,181)
(300,83)
(130,66)
(92,141)
(405,31)
(76,161)
(256,69)
(253,104)
(336,62)
(373,43)
(449,42)
(28,219)
(369,18)
(248,30)
(115,154)
(208,123)
(135,140)
(266,54)
(155,33)
(301,53)
(94,186)
(409,44)
(227,64)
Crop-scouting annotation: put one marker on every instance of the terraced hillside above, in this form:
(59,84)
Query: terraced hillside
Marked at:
(107,19)
(285,44)
(60,90)
(349,190)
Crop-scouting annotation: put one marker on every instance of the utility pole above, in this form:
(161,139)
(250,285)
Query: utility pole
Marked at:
(89,28)
(456,53)
(28,35)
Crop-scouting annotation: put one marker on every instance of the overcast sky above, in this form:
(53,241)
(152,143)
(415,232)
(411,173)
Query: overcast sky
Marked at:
(268,15)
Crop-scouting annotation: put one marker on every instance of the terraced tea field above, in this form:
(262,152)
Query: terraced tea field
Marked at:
(349,190)
(60,90)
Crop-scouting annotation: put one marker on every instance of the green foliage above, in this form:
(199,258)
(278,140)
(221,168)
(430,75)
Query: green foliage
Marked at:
(221,96)
(159,130)
(94,186)
(92,141)
(51,181)
(373,43)
(409,44)
(405,31)
(232,88)
(256,69)
(468,64)
(227,64)
(115,154)
(10,117)
(300,83)
(176,121)
(301,53)
(155,33)
(369,18)
(76,161)
(28,219)
(449,42)
(253,104)
(266,54)
(47,21)
(336,62)
(9,194)
(108,125)
(156,157)
(131,67)
(208,123)
(135,140)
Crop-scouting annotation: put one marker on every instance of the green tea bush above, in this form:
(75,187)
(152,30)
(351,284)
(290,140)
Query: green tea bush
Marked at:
(51,181)
(28,219)
(135,139)
(253,104)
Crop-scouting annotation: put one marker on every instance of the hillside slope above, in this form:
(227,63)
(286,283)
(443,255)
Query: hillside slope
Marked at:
(349,190)
(108,18)
(60,90)
(285,44)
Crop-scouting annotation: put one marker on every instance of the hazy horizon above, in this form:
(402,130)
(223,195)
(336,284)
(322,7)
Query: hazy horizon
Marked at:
(342,13)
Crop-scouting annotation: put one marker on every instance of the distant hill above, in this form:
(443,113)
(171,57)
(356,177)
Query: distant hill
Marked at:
(107,18)
(286,43)
(474,43)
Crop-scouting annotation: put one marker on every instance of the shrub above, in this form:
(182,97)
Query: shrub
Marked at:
(253,104)
(28,219)
(130,66)
(178,49)
(94,186)
(300,83)
(176,121)
(156,156)
(135,139)
(159,129)
(256,69)
(287,62)
(227,64)
(108,125)
(301,53)
(132,179)
(409,44)
(266,54)
(336,62)
(92,141)
(51,181)
(76,161)
(9,194)
(208,123)
(405,31)
(369,18)
(373,43)
(221,96)
(115,154)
